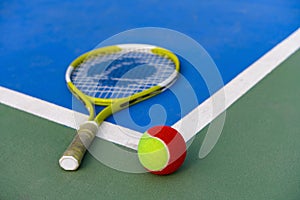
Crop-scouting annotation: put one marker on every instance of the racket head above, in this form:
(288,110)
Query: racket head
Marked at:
(116,73)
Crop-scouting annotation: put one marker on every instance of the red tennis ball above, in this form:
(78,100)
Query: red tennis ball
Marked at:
(161,150)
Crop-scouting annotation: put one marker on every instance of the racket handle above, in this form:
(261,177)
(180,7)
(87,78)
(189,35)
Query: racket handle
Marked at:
(72,157)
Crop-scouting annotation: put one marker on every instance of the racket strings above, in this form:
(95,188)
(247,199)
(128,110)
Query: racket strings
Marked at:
(123,74)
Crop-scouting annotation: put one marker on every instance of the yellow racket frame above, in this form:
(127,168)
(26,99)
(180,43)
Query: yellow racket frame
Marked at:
(72,156)
(116,103)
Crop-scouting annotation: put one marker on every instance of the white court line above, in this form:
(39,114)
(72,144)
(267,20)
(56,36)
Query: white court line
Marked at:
(67,117)
(237,87)
(233,91)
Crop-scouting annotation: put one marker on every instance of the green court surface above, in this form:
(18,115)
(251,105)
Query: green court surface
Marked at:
(257,156)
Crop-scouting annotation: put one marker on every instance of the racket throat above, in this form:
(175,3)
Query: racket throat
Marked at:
(124,103)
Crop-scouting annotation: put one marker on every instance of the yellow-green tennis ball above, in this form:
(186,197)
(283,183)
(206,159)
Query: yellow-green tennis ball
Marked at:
(161,150)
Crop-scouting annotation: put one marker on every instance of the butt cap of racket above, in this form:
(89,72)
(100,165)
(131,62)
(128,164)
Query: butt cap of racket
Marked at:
(68,163)
(71,158)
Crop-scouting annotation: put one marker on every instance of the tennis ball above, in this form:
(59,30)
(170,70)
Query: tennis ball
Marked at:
(161,150)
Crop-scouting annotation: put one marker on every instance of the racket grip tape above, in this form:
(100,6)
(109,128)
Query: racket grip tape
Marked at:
(72,157)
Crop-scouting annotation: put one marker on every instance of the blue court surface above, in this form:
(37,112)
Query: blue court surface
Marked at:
(39,39)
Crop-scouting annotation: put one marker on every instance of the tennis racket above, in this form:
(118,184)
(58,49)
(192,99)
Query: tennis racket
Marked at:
(116,77)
